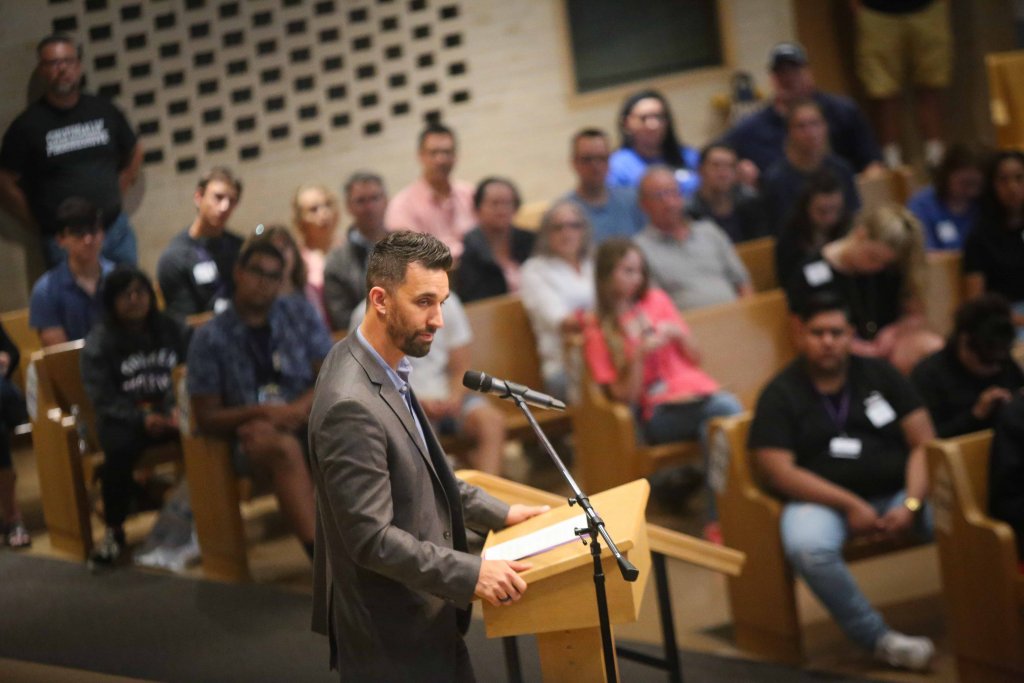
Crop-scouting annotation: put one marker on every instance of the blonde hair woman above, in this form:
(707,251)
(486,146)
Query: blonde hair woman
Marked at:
(315,217)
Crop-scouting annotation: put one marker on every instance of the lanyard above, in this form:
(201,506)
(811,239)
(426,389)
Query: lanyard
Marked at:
(840,414)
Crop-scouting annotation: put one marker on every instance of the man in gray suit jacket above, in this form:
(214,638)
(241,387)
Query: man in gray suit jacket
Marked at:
(392,576)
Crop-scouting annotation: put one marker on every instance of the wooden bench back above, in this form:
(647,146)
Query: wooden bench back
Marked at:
(759,258)
(943,289)
(982,589)
(1007,96)
(529,215)
(889,187)
(744,343)
(63,373)
(24,337)
(503,342)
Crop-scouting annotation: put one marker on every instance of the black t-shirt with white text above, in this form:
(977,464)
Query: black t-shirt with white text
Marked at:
(791,415)
(59,153)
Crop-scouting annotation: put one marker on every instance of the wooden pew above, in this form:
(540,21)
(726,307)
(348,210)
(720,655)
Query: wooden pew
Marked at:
(24,337)
(67,450)
(763,597)
(892,186)
(529,214)
(743,345)
(982,588)
(216,494)
(504,347)
(759,258)
(943,289)
(1006,97)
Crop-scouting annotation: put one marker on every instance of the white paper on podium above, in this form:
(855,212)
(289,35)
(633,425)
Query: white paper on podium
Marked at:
(537,542)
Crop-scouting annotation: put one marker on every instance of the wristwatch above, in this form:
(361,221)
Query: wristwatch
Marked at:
(912,504)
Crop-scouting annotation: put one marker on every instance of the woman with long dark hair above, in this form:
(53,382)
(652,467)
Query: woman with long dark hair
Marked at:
(820,216)
(649,137)
(126,364)
(948,208)
(994,252)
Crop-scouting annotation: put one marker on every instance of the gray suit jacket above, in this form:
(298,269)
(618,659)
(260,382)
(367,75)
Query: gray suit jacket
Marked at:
(388,579)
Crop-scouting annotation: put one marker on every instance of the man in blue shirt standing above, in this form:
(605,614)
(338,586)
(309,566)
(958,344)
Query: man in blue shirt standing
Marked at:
(65,301)
(251,372)
(613,210)
(760,137)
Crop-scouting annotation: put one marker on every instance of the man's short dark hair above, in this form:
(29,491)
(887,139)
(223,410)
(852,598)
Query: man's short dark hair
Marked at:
(224,175)
(823,302)
(481,188)
(987,324)
(390,258)
(361,177)
(54,39)
(77,213)
(434,129)
(587,133)
(708,149)
(258,245)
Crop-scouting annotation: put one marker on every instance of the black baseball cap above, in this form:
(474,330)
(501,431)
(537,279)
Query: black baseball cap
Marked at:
(786,53)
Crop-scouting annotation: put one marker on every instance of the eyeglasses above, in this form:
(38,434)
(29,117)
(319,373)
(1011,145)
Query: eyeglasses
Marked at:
(271,276)
(59,61)
(592,158)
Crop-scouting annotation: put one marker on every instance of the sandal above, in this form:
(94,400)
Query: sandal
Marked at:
(18,536)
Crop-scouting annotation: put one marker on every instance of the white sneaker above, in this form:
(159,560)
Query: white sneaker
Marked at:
(906,652)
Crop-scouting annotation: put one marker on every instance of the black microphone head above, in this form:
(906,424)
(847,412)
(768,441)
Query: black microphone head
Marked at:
(476,380)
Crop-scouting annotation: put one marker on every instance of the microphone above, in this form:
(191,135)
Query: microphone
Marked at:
(478,381)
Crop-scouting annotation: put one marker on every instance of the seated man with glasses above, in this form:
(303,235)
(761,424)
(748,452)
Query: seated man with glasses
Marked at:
(612,209)
(65,301)
(251,372)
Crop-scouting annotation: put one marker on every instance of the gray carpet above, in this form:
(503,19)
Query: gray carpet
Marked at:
(165,628)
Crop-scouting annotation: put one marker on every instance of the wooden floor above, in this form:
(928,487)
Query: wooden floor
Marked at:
(905,586)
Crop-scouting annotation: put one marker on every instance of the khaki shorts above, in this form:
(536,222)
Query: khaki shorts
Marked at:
(888,46)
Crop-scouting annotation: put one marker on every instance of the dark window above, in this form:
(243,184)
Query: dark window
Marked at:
(304,83)
(362,43)
(94,5)
(135,42)
(250,152)
(368,100)
(199,30)
(181,136)
(101,32)
(228,9)
(153,156)
(239,66)
(233,38)
(245,123)
(301,54)
(270,75)
(187,164)
(366,71)
(104,62)
(428,88)
(263,19)
(168,50)
(194,4)
(174,78)
(337,92)
(162,21)
(130,12)
(139,70)
(421,32)
(266,47)
(149,127)
(144,99)
(311,140)
(308,112)
(357,16)
(218,144)
(372,128)
(241,95)
(399,108)
(389,23)
(202,58)
(324,7)
(425,60)
(651,38)
(460,96)
(417,5)
(453,40)
(449,12)
(208,87)
(456,68)
(340,120)
(432,116)
(274,103)
(213,115)
(279,132)
(177,108)
(295,27)
(109,90)
(330,35)
(393,52)
(65,24)
(397,80)
(333,63)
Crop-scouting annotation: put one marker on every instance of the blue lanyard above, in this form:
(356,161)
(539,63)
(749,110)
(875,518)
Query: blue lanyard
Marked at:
(838,415)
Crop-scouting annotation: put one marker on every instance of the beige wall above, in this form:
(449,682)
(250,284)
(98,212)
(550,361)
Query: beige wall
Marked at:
(517,123)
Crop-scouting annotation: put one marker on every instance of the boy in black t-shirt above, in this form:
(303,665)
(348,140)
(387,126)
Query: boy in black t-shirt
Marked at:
(842,439)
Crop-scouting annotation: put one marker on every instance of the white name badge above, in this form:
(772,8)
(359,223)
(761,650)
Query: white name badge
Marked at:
(817,273)
(947,232)
(204,272)
(844,447)
(878,410)
(220,305)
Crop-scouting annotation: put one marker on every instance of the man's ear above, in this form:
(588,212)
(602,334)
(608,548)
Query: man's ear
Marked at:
(197,197)
(379,300)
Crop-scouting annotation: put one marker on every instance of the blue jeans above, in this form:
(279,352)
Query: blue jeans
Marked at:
(119,245)
(682,421)
(813,536)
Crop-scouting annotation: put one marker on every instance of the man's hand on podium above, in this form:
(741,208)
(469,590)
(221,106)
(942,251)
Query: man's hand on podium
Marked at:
(499,583)
(520,513)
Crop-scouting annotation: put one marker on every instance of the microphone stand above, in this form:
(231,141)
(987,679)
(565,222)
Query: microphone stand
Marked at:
(595,529)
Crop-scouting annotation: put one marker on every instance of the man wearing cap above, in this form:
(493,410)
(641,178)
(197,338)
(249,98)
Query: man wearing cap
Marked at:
(760,137)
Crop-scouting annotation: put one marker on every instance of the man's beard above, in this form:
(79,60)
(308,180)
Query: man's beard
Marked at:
(406,339)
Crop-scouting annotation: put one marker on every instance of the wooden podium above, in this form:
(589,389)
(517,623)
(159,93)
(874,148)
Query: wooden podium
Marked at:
(560,604)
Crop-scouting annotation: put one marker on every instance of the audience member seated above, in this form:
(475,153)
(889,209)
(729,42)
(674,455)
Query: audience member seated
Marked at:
(294,279)
(948,208)
(195,269)
(1006,472)
(641,351)
(251,372)
(760,138)
(315,219)
(495,249)
(966,383)
(65,301)
(878,270)
(994,251)
(612,209)
(558,287)
(806,153)
(436,378)
(435,203)
(723,199)
(841,439)
(12,413)
(649,137)
(693,261)
(345,272)
(127,364)
(820,216)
